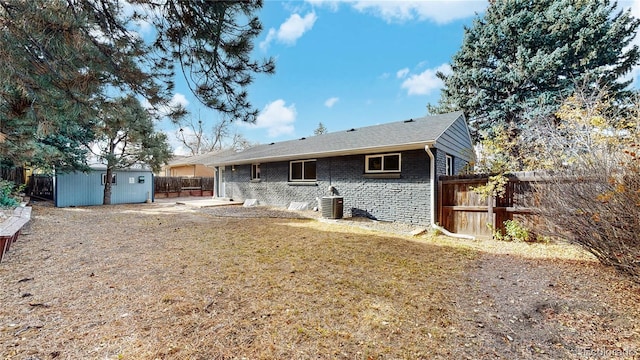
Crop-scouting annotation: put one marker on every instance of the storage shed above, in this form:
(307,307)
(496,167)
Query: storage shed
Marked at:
(129,186)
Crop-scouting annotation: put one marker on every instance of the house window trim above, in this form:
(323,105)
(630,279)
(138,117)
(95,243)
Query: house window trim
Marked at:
(448,165)
(255,172)
(114,179)
(382,170)
(303,180)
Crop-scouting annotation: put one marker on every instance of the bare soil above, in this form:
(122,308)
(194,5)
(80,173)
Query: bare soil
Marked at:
(162,281)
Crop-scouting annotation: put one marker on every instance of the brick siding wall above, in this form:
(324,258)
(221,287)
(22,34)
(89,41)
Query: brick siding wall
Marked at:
(406,199)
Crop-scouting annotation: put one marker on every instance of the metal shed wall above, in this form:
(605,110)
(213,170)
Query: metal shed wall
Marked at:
(83,189)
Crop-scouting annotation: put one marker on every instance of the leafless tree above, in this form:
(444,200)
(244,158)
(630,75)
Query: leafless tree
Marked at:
(196,136)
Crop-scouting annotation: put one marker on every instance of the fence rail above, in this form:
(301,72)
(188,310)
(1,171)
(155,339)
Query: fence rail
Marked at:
(462,210)
(174,186)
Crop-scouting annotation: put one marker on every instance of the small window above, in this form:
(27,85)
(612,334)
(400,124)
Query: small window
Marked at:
(255,171)
(382,163)
(304,170)
(104,178)
(449,165)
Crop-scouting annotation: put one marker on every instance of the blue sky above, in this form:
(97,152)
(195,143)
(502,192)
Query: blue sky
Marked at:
(347,64)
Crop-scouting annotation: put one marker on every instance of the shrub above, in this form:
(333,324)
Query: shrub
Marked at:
(514,231)
(598,210)
(594,200)
(8,196)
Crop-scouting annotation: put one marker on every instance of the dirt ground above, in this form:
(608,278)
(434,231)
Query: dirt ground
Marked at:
(163,281)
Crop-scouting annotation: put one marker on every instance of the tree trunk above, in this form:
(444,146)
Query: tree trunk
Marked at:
(106,198)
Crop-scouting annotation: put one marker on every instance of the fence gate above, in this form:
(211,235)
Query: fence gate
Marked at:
(41,186)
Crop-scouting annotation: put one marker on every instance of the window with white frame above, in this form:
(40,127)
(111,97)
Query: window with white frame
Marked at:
(255,171)
(382,163)
(448,165)
(104,179)
(302,170)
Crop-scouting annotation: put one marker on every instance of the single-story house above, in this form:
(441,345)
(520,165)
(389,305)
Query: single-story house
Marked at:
(129,186)
(188,166)
(387,172)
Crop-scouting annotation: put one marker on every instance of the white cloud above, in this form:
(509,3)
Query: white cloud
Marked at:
(277,118)
(177,145)
(333,5)
(331,101)
(439,11)
(179,99)
(402,73)
(162,111)
(264,45)
(425,82)
(291,30)
(143,25)
(181,150)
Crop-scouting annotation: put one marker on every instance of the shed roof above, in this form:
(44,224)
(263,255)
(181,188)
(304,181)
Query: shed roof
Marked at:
(134,168)
(395,136)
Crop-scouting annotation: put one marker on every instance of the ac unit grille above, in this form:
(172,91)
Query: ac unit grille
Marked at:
(332,207)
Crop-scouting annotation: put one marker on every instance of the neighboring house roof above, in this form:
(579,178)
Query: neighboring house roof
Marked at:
(409,134)
(198,159)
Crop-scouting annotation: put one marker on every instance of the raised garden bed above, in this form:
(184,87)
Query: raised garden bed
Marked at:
(11,227)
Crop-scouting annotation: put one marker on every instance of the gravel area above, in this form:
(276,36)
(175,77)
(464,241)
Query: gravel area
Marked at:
(274,212)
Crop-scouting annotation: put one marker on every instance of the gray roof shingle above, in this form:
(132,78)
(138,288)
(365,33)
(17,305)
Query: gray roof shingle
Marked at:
(394,136)
(204,159)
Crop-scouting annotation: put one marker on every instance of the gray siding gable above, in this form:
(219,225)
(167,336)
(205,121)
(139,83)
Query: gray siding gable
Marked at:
(456,141)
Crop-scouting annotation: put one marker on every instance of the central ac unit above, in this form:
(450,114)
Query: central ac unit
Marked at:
(332,207)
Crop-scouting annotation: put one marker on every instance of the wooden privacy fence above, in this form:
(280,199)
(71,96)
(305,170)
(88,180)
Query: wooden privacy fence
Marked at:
(40,186)
(12,173)
(463,211)
(173,186)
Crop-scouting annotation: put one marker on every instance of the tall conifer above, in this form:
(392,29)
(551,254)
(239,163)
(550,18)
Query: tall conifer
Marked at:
(522,58)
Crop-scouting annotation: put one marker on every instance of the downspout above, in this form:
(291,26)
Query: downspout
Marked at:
(215,182)
(432,189)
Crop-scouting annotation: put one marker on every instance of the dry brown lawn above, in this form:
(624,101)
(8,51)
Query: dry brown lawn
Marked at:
(153,281)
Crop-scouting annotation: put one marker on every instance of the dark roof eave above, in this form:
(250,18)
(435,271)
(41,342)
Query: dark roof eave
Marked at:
(301,156)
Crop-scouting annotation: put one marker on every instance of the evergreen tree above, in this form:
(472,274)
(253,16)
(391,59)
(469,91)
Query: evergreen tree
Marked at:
(125,137)
(321,129)
(212,42)
(523,57)
(61,59)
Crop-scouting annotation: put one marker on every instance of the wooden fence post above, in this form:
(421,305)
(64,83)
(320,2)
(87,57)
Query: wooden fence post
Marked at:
(491,216)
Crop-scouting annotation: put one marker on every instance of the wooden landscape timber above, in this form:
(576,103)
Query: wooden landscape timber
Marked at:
(10,229)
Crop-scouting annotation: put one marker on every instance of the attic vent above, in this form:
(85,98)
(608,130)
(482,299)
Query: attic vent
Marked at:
(303,138)
(408,121)
(272,143)
(350,130)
